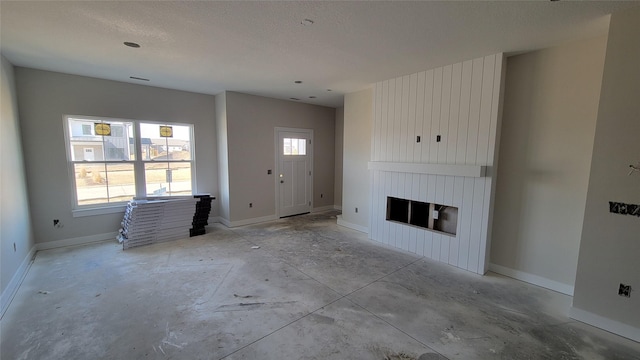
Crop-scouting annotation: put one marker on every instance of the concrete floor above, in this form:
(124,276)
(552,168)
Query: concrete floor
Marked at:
(313,290)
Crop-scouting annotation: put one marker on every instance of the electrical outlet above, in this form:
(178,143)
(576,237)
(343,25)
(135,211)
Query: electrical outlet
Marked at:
(356,210)
(624,290)
(250,205)
(438,138)
(14,247)
(57,224)
(321,196)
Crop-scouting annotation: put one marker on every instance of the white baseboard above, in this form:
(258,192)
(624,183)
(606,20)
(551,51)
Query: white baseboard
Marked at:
(11,289)
(349,225)
(244,222)
(533,279)
(82,240)
(604,323)
(337,207)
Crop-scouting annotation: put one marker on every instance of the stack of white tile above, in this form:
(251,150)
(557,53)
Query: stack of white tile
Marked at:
(153,221)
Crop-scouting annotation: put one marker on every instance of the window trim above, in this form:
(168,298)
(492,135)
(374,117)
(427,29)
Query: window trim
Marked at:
(138,164)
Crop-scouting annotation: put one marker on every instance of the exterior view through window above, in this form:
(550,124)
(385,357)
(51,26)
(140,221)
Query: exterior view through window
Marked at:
(295,146)
(113,160)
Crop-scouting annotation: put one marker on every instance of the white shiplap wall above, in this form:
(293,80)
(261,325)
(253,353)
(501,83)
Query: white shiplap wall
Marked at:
(460,102)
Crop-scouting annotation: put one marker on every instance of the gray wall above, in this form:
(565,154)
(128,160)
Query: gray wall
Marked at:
(44,97)
(358,117)
(610,243)
(550,111)
(15,219)
(339,139)
(251,121)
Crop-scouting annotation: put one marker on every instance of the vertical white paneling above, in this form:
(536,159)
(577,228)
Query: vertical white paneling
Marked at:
(474,111)
(485,110)
(397,121)
(391,113)
(411,128)
(435,115)
(417,151)
(464,218)
(415,193)
(404,124)
(460,103)
(439,199)
(408,179)
(377,128)
(454,113)
(465,104)
(476,224)
(426,123)
(424,179)
(387,192)
(454,245)
(384,106)
(444,114)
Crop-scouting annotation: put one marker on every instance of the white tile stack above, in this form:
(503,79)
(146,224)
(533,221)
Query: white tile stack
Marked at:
(153,221)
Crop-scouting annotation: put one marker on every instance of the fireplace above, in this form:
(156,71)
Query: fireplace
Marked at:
(430,216)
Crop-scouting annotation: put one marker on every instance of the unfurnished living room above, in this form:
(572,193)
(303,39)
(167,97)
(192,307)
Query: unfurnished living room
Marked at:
(320,180)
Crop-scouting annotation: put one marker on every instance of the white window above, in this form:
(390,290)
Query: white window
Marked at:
(293,146)
(113,160)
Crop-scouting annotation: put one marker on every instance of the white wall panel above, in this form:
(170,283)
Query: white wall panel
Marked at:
(460,103)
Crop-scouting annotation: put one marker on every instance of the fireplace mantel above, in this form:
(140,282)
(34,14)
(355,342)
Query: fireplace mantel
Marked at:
(431,169)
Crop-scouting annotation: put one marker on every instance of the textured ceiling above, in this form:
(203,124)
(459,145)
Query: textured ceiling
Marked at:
(262,48)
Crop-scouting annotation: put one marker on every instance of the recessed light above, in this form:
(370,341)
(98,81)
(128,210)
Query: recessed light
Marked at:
(138,78)
(298,81)
(312,97)
(294,99)
(307,22)
(131,44)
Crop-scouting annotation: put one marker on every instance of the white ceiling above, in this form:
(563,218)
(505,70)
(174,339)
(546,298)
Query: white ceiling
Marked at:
(262,47)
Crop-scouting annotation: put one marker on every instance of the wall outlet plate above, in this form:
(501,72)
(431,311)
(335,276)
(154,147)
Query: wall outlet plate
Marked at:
(436,214)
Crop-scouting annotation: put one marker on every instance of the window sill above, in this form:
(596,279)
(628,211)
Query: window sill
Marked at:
(99,211)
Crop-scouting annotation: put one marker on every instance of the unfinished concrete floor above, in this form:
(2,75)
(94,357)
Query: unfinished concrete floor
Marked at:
(313,290)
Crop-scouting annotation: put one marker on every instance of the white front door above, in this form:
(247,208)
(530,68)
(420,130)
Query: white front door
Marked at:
(294,171)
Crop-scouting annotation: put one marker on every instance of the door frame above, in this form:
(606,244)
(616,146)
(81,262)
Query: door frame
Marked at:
(310,154)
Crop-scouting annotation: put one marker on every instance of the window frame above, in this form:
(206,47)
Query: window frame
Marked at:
(79,210)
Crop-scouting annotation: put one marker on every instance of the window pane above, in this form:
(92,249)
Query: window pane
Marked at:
(85,145)
(104,183)
(287,146)
(121,182)
(119,145)
(91,186)
(157,147)
(165,179)
(295,146)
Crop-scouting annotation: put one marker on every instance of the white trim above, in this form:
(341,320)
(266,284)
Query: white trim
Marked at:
(352,226)
(232,224)
(604,323)
(337,207)
(533,279)
(99,211)
(12,288)
(82,240)
(432,169)
(322,208)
